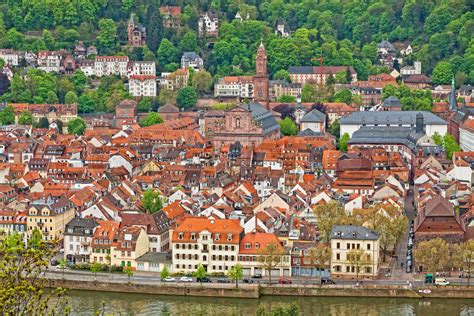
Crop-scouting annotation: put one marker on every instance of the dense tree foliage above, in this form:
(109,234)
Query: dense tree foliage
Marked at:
(288,127)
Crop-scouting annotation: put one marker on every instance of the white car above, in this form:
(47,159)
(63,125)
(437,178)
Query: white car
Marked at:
(169,279)
(186,279)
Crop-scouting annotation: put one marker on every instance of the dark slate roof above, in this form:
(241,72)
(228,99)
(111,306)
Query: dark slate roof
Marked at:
(155,257)
(353,232)
(386,44)
(310,133)
(313,116)
(262,116)
(190,56)
(386,135)
(79,225)
(392,101)
(390,117)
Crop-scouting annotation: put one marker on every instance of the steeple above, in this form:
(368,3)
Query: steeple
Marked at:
(453,104)
(131,21)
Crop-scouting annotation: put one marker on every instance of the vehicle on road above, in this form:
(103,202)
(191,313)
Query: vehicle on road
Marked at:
(204,280)
(247,280)
(257,276)
(327,281)
(169,279)
(223,280)
(441,281)
(284,281)
(186,279)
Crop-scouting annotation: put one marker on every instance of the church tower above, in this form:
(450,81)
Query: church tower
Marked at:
(260,81)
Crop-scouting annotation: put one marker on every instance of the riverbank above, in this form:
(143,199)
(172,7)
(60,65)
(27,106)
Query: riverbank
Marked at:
(255,291)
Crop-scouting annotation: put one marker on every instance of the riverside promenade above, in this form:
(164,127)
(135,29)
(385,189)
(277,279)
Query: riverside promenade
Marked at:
(145,285)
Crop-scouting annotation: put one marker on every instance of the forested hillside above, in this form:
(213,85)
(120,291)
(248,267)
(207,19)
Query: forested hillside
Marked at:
(345,32)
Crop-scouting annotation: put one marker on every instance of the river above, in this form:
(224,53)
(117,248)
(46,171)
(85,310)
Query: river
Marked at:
(88,303)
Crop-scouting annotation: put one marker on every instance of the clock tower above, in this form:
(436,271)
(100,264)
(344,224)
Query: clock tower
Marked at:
(260,80)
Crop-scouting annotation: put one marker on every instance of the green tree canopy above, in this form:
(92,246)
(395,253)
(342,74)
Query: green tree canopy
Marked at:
(343,142)
(7,116)
(152,201)
(186,98)
(442,73)
(288,127)
(76,126)
(202,82)
(152,118)
(25,118)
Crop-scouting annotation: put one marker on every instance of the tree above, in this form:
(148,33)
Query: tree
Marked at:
(328,215)
(464,258)
(286,99)
(282,75)
(164,273)
(52,98)
(450,145)
(202,82)
(7,116)
(154,26)
(70,97)
(389,229)
(343,142)
(335,129)
(43,122)
(432,255)
(288,127)
(48,40)
(79,80)
(186,98)
(152,118)
(320,255)
(291,309)
(343,95)
(438,139)
(152,201)
(107,35)
(200,273)
(442,73)
(25,118)
(129,272)
(270,257)
(166,53)
(22,277)
(76,126)
(236,273)
(358,260)
(85,104)
(96,267)
(166,96)
(189,42)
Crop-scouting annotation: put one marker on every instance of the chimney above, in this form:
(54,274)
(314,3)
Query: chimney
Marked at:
(419,123)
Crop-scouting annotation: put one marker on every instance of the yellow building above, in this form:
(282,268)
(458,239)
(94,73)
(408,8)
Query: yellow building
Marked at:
(50,217)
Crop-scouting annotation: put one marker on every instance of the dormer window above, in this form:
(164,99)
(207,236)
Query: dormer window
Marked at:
(257,245)
(193,236)
(218,237)
(247,245)
(229,237)
(180,236)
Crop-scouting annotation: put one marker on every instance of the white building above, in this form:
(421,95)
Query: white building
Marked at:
(344,239)
(87,67)
(234,86)
(142,85)
(466,134)
(11,57)
(192,60)
(314,121)
(137,68)
(78,239)
(411,70)
(111,66)
(352,122)
(214,243)
(208,24)
(49,61)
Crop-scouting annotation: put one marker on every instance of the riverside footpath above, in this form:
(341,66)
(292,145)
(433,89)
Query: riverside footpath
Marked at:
(146,285)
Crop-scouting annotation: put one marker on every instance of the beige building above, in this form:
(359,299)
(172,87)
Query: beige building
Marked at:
(130,244)
(345,238)
(50,217)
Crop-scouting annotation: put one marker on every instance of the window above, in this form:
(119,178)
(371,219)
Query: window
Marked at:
(257,245)
(218,236)
(338,245)
(193,236)
(229,237)
(180,236)
(338,256)
(247,245)
(348,246)
(368,246)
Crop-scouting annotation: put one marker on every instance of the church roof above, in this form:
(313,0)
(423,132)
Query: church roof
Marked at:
(262,116)
(386,135)
(392,117)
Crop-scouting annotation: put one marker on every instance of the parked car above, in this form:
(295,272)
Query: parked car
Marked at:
(284,281)
(257,276)
(169,279)
(327,281)
(247,280)
(441,281)
(223,280)
(186,279)
(204,280)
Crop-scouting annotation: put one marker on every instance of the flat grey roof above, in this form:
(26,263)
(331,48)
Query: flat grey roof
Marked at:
(390,117)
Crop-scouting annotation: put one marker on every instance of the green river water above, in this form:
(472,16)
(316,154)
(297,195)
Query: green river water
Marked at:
(88,303)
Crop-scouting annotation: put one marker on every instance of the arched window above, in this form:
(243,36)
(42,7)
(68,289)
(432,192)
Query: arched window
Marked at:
(237,122)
